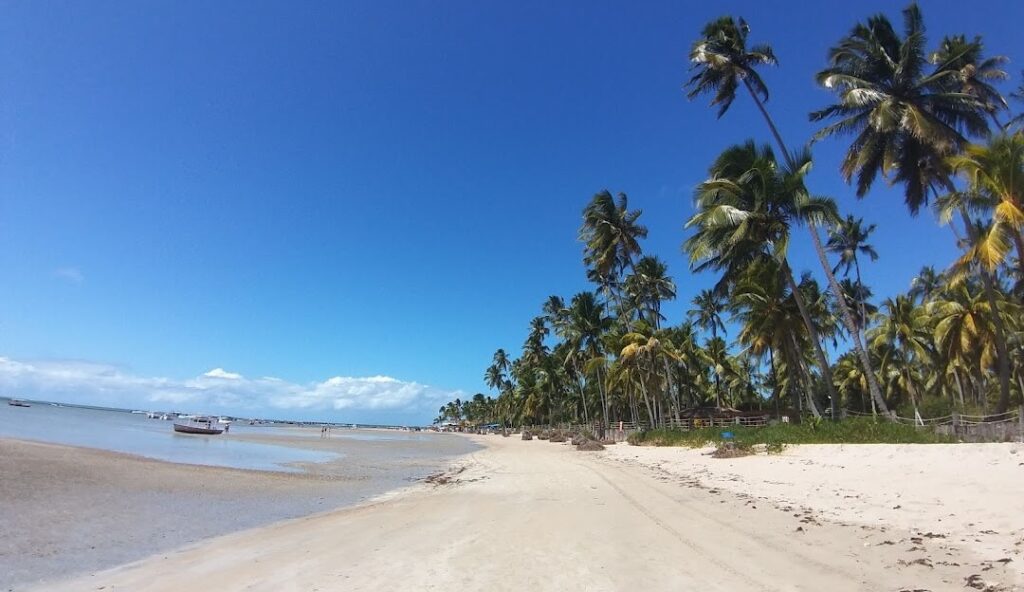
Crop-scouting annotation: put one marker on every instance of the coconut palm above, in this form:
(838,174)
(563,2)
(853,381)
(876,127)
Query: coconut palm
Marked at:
(964,332)
(611,234)
(745,212)
(906,118)
(972,73)
(648,286)
(926,284)
(848,239)
(706,313)
(994,175)
(901,334)
(723,61)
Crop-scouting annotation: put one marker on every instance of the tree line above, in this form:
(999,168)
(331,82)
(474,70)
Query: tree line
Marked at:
(935,124)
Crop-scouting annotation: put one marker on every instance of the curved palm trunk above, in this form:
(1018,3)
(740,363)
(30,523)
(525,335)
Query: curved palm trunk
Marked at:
(844,311)
(812,332)
(997,322)
(808,382)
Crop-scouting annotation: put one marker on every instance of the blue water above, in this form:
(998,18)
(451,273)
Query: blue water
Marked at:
(153,438)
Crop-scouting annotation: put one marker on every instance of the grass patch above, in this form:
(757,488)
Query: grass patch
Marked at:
(861,430)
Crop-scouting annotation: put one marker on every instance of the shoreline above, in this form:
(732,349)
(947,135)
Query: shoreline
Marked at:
(72,510)
(546,516)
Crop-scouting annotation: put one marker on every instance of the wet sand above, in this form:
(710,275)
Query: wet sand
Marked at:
(542,516)
(69,510)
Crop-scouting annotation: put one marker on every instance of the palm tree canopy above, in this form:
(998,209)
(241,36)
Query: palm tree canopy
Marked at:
(745,210)
(611,235)
(722,62)
(904,117)
(848,239)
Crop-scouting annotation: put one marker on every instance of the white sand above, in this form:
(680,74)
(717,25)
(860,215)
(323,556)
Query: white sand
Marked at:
(971,493)
(542,516)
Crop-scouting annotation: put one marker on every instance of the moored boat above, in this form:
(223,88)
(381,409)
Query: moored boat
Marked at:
(198,425)
(18,403)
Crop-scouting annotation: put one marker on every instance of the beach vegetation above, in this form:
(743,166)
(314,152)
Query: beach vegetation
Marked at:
(812,345)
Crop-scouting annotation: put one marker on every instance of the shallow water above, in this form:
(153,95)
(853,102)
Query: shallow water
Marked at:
(153,438)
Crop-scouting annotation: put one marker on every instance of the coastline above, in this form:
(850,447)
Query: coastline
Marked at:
(73,510)
(546,516)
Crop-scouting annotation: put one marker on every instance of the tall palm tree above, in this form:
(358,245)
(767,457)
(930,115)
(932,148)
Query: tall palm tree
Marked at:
(706,313)
(648,286)
(987,249)
(587,324)
(905,117)
(848,239)
(611,235)
(723,61)
(902,334)
(964,332)
(745,212)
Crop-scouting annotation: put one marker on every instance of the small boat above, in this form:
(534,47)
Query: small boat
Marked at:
(198,425)
(18,403)
(152,415)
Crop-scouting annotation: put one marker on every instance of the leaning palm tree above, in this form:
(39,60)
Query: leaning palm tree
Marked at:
(723,62)
(745,212)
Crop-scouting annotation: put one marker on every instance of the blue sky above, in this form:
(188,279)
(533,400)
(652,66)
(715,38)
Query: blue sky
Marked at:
(364,189)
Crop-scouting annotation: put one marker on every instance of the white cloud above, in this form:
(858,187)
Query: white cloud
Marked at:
(73,275)
(222,373)
(373,398)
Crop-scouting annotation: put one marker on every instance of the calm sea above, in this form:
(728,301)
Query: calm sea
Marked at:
(153,438)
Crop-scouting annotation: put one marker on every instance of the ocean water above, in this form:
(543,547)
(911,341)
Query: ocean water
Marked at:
(153,438)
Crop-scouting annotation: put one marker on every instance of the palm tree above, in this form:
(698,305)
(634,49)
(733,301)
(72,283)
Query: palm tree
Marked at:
(905,119)
(744,213)
(707,311)
(972,73)
(858,297)
(768,317)
(902,335)
(587,325)
(848,239)
(994,174)
(926,284)
(611,235)
(648,286)
(964,332)
(987,249)
(723,61)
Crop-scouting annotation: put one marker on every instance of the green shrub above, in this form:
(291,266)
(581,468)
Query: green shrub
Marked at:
(861,430)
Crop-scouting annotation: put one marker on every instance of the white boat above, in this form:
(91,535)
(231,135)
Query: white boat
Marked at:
(198,425)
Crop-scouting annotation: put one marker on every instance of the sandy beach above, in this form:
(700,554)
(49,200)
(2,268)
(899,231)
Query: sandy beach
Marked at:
(543,516)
